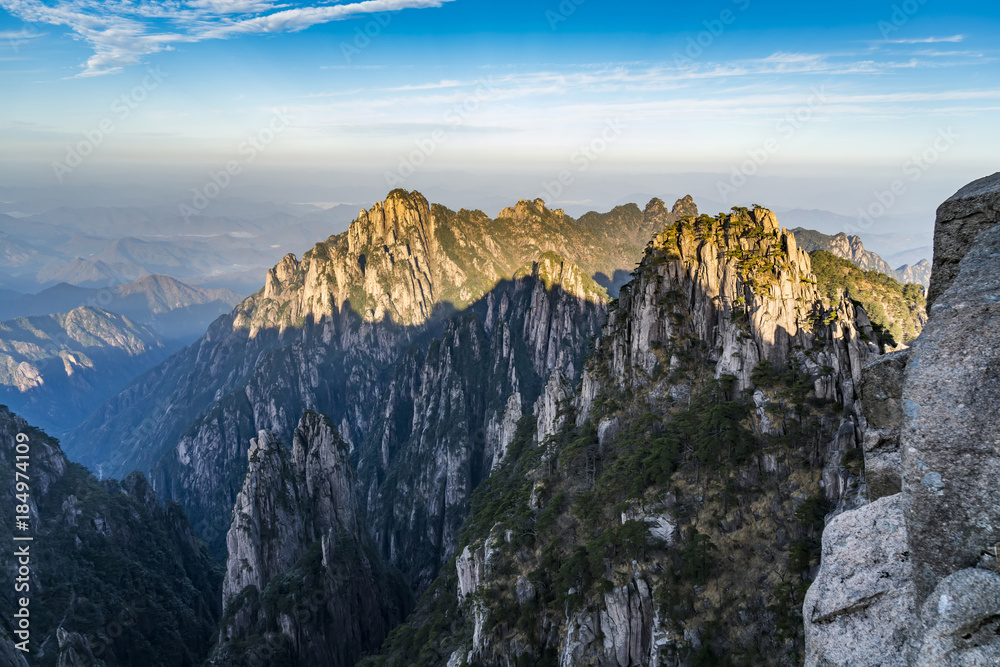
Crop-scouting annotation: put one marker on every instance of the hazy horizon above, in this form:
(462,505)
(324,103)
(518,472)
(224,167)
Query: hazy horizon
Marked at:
(582,103)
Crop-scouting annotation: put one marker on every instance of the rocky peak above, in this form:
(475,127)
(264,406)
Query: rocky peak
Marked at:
(915,273)
(656,216)
(684,206)
(280,275)
(526,210)
(403,218)
(290,498)
(740,283)
(301,567)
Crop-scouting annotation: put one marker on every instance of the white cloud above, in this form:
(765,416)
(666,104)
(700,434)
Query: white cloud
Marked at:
(18,36)
(927,40)
(122,33)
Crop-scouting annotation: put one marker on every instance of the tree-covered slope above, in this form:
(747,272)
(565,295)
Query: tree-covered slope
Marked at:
(898,310)
(115,578)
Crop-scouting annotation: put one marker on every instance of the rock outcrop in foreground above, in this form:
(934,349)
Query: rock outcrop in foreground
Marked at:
(912,579)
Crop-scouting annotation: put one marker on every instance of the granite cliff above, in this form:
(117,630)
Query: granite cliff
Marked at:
(303,583)
(668,512)
(912,578)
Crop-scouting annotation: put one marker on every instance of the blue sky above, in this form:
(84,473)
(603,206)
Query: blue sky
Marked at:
(848,92)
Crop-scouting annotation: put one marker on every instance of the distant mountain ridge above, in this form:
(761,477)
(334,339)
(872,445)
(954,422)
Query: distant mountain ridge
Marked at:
(58,368)
(851,248)
(230,245)
(175,310)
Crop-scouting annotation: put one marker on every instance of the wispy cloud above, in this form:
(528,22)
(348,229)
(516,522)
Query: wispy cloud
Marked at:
(122,33)
(18,37)
(927,40)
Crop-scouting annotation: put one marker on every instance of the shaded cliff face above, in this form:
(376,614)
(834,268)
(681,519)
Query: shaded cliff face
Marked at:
(451,412)
(923,587)
(671,513)
(303,584)
(115,577)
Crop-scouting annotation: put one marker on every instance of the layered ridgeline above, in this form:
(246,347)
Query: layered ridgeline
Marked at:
(115,578)
(672,510)
(851,248)
(67,349)
(58,368)
(174,310)
(346,331)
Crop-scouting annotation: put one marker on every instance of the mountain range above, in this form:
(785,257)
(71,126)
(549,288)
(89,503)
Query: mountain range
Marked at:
(177,312)
(851,248)
(437,438)
(66,349)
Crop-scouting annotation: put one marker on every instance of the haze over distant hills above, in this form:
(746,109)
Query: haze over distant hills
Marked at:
(176,311)
(103,246)
(67,348)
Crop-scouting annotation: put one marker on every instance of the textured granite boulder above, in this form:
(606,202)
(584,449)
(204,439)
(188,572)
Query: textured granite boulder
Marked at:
(959,221)
(951,430)
(859,608)
(961,622)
